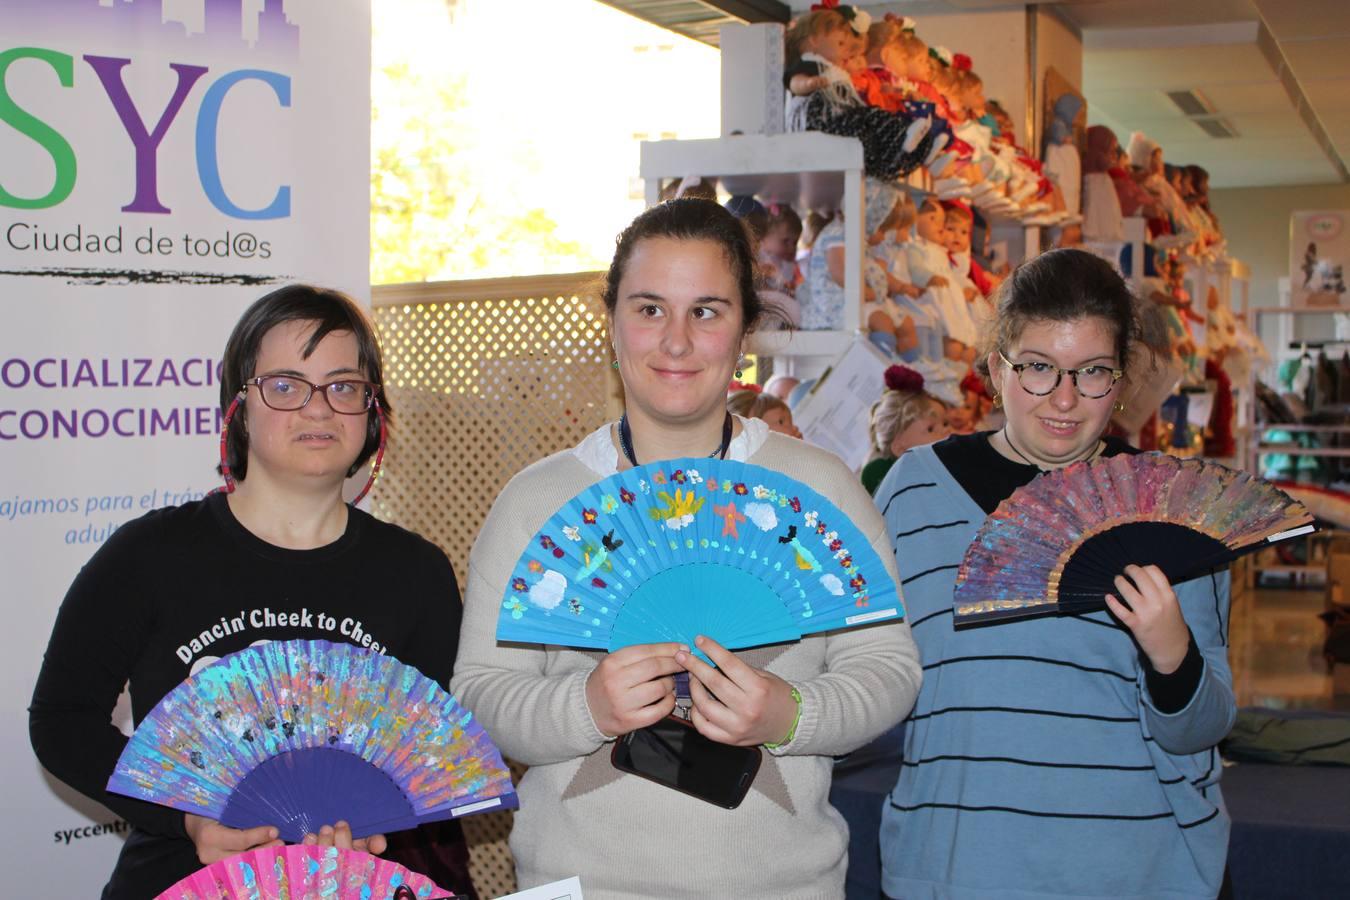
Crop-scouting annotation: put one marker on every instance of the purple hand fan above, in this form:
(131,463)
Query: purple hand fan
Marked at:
(1056,544)
(299,734)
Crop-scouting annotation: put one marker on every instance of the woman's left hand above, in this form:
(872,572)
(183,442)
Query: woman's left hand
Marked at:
(1153,616)
(340,836)
(735,703)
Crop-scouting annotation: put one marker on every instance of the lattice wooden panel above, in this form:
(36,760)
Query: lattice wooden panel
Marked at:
(481,388)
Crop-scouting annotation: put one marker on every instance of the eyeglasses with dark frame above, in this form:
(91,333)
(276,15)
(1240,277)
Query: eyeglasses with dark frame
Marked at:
(347,397)
(1034,377)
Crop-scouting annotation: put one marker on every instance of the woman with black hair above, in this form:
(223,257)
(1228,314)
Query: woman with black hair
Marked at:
(1071,756)
(269,558)
(681,299)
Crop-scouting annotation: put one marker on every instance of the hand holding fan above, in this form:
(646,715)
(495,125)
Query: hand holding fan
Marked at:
(1057,543)
(298,872)
(671,550)
(299,734)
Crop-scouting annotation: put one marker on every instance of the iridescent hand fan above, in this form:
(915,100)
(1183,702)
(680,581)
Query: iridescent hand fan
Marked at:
(298,872)
(301,734)
(668,551)
(1057,543)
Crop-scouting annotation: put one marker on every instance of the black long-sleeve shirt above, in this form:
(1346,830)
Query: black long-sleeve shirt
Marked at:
(182,586)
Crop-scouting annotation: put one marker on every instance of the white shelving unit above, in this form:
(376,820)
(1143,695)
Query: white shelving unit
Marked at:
(808,170)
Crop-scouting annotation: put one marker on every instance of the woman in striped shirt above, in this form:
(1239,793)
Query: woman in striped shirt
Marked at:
(1071,756)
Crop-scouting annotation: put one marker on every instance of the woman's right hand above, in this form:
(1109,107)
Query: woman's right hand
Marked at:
(215,841)
(633,687)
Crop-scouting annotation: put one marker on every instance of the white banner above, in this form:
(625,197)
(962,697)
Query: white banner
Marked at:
(163,163)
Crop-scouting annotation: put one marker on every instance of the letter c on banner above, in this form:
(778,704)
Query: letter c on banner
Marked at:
(208,162)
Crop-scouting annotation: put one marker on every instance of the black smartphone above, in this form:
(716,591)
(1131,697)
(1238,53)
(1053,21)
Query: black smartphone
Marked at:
(673,753)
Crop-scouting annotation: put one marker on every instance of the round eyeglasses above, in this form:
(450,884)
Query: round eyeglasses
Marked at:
(287,393)
(1041,378)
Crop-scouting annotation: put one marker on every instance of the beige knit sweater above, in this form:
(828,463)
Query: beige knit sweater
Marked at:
(627,837)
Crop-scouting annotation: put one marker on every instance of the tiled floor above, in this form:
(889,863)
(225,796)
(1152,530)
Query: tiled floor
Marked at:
(1276,651)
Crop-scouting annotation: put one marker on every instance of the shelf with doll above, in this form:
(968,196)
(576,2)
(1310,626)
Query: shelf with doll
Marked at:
(806,170)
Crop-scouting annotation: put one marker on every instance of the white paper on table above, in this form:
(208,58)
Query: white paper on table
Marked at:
(837,413)
(567,889)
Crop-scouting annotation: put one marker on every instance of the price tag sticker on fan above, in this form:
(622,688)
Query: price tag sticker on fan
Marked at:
(668,551)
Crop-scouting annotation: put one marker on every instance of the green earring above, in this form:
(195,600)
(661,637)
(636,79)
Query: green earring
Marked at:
(738,374)
(615,364)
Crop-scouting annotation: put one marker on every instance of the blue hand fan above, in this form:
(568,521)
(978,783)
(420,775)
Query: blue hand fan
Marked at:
(300,734)
(671,550)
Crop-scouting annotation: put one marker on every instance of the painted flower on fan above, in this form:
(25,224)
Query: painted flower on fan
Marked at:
(658,477)
(846,561)
(588,516)
(834,543)
(627,496)
(515,606)
(574,606)
(740,488)
(760,492)
(677,476)
(546,542)
(712,484)
(694,476)
(518,584)
(857,582)
(608,504)
(679,510)
(821,528)
(796,505)
(811,517)
(644,486)
(572,532)
(535,565)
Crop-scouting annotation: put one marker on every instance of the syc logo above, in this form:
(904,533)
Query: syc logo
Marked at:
(145,140)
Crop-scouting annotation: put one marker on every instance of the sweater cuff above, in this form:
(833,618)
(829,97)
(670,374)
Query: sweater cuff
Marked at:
(1171,693)
(592,731)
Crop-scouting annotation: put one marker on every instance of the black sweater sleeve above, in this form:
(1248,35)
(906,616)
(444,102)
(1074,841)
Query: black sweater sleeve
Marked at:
(96,642)
(434,645)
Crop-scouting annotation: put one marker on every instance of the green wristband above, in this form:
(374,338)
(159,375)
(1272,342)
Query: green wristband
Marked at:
(796,720)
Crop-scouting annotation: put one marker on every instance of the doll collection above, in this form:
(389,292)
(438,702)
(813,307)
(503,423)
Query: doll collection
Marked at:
(942,165)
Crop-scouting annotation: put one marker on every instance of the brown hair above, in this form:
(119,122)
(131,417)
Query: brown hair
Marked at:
(813,24)
(750,404)
(912,44)
(689,219)
(1062,286)
(329,311)
(782,214)
(906,211)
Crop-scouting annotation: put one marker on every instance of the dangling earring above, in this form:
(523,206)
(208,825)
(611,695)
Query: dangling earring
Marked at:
(1118,406)
(998,400)
(228,486)
(614,365)
(379,454)
(741,363)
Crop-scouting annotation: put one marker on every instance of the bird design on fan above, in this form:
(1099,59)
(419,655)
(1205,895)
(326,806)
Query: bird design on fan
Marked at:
(1057,543)
(667,551)
(298,872)
(299,734)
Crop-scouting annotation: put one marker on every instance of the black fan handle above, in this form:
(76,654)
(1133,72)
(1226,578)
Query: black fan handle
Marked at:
(403,892)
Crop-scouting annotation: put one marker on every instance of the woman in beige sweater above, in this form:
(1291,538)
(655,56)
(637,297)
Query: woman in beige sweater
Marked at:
(681,302)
